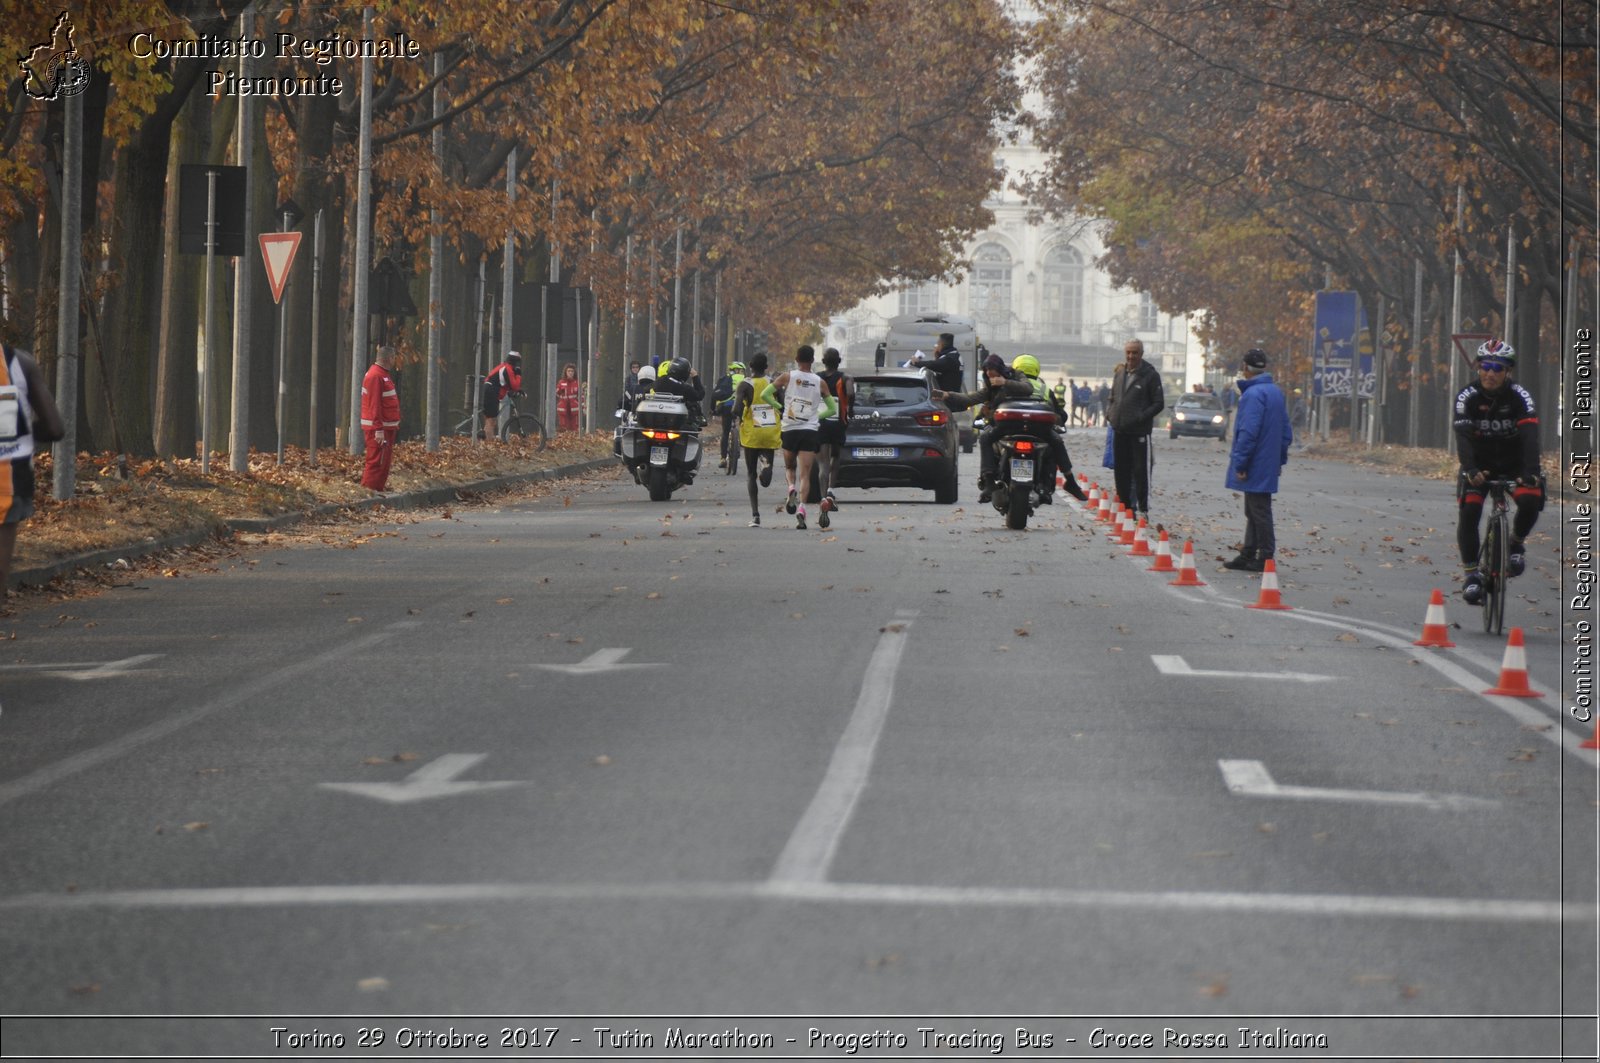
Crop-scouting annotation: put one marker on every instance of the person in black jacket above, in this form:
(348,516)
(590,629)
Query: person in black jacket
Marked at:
(1497,437)
(678,378)
(999,386)
(945,364)
(1136,398)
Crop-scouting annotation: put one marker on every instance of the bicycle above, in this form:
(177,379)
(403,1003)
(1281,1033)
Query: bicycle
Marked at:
(513,422)
(1494,557)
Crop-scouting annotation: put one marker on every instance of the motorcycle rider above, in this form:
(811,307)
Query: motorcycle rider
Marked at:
(682,380)
(1027,366)
(999,387)
(1497,437)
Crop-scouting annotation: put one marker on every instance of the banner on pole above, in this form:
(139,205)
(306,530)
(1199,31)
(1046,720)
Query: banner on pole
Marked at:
(277,251)
(1334,351)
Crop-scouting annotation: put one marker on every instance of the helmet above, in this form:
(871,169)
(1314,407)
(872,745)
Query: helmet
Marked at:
(514,357)
(1026,364)
(1499,350)
(736,367)
(678,369)
(647,372)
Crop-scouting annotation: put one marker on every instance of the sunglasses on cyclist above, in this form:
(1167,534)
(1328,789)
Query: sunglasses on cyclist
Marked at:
(1492,366)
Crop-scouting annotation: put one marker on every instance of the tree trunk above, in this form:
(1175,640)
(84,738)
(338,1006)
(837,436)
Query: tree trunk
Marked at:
(176,428)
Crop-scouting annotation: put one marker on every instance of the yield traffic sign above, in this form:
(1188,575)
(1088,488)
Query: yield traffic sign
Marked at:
(277,251)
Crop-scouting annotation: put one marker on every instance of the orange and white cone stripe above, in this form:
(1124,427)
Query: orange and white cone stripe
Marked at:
(1188,576)
(1435,631)
(1163,555)
(1514,671)
(1270,597)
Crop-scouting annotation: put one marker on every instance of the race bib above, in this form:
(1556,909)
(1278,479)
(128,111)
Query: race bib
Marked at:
(800,409)
(763,416)
(9,408)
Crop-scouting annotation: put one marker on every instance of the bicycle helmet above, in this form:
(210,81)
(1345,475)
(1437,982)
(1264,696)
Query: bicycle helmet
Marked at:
(678,369)
(1498,350)
(647,372)
(514,357)
(736,367)
(1026,364)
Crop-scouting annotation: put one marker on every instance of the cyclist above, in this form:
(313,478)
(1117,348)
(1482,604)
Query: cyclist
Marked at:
(501,381)
(1497,437)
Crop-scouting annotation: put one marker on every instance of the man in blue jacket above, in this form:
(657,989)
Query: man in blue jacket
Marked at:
(1261,439)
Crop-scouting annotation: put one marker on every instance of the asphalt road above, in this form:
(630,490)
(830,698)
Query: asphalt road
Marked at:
(584,755)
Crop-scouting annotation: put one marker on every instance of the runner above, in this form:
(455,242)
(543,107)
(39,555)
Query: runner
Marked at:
(805,402)
(758,429)
(833,429)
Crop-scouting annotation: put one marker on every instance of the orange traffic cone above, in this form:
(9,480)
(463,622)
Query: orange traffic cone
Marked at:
(1270,598)
(1187,575)
(1163,555)
(1114,522)
(1593,743)
(1102,512)
(1514,671)
(1093,501)
(1130,528)
(1141,540)
(1435,632)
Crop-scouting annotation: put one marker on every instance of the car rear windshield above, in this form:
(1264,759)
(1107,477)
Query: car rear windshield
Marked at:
(890,392)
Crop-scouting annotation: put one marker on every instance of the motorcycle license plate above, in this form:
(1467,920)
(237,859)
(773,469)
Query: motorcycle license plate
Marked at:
(658,455)
(876,452)
(1021,470)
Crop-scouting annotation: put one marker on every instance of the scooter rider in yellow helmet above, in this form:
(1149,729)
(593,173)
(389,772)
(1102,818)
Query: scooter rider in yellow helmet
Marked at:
(1026,366)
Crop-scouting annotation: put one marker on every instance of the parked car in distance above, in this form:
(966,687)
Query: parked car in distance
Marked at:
(898,436)
(1195,414)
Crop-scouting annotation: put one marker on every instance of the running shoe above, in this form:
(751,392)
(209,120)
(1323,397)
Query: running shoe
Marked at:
(755,520)
(800,522)
(1516,560)
(789,506)
(1472,589)
(823,521)
(766,474)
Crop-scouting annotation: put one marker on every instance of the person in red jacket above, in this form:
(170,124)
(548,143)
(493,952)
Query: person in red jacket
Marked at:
(380,419)
(500,382)
(569,399)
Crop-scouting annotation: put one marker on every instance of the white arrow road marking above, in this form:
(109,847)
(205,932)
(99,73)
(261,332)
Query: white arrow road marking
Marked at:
(606,660)
(429,781)
(85,669)
(1178,666)
(1251,778)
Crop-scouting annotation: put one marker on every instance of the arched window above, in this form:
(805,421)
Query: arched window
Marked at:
(920,298)
(1062,298)
(991,291)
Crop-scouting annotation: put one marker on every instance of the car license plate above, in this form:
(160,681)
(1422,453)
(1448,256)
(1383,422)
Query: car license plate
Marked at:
(877,452)
(658,455)
(1021,470)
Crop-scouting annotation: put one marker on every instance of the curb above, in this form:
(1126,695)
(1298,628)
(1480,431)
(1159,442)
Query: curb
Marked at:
(424,498)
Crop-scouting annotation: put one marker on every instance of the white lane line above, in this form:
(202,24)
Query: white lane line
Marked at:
(811,847)
(82,670)
(433,780)
(90,758)
(1169,665)
(1326,905)
(1250,778)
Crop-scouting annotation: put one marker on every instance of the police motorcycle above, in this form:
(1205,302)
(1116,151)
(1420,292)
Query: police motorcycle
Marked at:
(1024,474)
(659,443)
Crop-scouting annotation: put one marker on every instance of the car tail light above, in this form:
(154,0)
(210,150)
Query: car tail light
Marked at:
(650,433)
(1023,446)
(929,452)
(933,418)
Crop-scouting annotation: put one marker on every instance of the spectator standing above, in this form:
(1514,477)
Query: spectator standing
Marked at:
(380,419)
(1066,393)
(28,417)
(1102,397)
(1136,399)
(569,399)
(500,382)
(1260,448)
(1230,399)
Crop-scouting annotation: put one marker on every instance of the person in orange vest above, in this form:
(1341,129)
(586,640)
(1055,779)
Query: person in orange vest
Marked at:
(569,398)
(380,419)
(501,381)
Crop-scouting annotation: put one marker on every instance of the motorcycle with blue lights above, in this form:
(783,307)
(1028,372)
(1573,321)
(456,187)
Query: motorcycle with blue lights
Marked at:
(659,443)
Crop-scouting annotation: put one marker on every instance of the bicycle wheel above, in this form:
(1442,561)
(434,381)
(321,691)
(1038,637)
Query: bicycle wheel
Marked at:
(526,427)
(1492,562)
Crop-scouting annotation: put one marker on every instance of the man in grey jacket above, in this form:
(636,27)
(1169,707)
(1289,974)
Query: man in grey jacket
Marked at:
(1136,399)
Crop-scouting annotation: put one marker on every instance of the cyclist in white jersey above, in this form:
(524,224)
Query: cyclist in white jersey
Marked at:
(806,400)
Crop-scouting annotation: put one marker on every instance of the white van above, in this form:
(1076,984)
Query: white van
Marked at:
(910,333)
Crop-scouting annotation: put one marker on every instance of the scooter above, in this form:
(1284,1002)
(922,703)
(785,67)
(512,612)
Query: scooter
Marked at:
(660,445)
(1024,474)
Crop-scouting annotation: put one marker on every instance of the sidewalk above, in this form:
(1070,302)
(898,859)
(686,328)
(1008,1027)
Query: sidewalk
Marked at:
(41,574)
